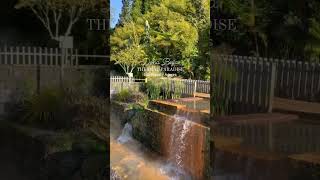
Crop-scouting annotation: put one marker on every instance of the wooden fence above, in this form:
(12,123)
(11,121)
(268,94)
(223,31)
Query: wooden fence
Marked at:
(38,56)
(294,79)
(243,85)
(24,68)
(183,86)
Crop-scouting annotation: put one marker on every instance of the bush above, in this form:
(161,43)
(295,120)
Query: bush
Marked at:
(157,88)
(153,89)
(49,109)
(128,96)
(90,110)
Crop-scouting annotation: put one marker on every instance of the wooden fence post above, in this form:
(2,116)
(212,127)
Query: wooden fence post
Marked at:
(63,56)
(272,86)
(195,89)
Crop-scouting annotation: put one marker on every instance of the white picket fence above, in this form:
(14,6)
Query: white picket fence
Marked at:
(38,56)
(189,87)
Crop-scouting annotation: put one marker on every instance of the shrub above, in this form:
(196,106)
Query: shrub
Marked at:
(128,96)
(153,89)
(90,109)
(45,108)
(163,88)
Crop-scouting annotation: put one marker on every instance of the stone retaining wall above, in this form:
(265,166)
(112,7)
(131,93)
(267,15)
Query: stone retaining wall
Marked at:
(153,129)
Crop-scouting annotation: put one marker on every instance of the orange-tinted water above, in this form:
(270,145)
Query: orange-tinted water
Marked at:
(132,165)
(131,161)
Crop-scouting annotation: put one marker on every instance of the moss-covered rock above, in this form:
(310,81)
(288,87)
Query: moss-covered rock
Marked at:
(53,155)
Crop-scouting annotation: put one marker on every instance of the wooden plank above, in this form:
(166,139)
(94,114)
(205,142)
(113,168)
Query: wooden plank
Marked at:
(295,106)
(272,86)
(24,56)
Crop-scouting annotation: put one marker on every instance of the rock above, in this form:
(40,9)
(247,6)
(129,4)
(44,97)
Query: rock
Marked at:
(94,166)
(62,165)
(89,144)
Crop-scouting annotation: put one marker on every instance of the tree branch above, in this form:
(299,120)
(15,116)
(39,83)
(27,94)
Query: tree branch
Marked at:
(57,18)
(46,25)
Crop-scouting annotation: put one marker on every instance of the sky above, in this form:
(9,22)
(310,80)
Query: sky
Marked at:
(115,11)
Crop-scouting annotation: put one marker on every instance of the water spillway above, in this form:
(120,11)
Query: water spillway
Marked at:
(172,146)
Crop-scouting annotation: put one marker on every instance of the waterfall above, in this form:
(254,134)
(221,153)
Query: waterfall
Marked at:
(177,147)
(180,129)
(126,134)
(114,175)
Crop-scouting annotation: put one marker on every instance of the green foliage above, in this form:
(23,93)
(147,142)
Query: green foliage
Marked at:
(161,88)
(171,35)
(125,15)
(127,50)
(123,95)
(129,96)
(178,30)
(136,11)
(313,45)
(153,89)
(92,113)
(45,107)
(285,29)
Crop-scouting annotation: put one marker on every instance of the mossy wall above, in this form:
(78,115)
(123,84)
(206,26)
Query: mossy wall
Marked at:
(153,129)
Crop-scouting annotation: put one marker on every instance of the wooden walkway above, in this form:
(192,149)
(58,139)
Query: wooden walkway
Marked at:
(313,158)
(260,118)
(301,108)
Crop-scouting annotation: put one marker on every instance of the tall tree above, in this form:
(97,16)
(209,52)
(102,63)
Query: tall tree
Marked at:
(171,36)
(125,15)
(136,10)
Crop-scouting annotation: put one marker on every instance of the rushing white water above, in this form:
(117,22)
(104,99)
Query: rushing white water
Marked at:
(126,134)
(174,172)
(131,161)
(180,128)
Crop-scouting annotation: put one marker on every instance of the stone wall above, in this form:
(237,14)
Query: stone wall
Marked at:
(16,80)
(153,129)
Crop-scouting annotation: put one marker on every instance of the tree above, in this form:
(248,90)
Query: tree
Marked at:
(313,43)
(171,36)
(136,10)
(127,49)
(125,15)
(141,7)
(58,16)
(129,58)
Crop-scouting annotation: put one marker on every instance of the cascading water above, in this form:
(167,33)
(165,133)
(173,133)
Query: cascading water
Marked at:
(126,134)
(129,160)
(177,147)
(180,128)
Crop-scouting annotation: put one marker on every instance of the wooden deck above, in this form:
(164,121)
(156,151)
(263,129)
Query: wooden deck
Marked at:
(313,158)
(202,95)
(296,106)
(302,108)
(260,118)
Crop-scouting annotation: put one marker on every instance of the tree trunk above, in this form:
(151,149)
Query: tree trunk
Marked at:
(256,43)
